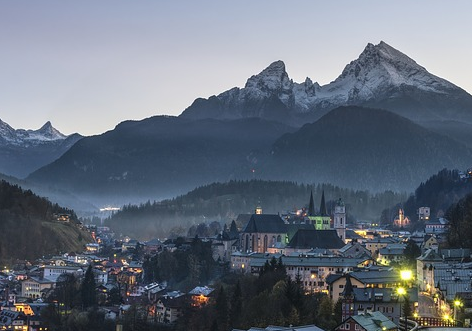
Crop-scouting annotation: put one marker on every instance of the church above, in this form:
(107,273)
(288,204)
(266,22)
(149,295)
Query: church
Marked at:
(265,233)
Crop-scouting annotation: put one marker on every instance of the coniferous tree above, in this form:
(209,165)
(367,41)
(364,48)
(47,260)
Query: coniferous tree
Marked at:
(236,305)
(222,310)
(87,290)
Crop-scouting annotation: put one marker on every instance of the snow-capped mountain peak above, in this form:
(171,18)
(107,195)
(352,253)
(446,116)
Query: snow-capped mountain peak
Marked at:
(381,67)
(274,78)
(6,131)
(380,77)
(47,132)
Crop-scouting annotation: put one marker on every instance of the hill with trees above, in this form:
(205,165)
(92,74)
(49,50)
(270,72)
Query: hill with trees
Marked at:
(439,192)
(29,226)
(460,221)
(223,202)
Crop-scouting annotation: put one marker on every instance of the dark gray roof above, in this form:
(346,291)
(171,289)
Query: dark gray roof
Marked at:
(306,239)
(351,234)
(293,228)
(265,223)
(382,294)
(374,321)
(377,277)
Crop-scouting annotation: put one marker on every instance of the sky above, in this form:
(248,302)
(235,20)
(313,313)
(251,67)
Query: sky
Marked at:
(88,65)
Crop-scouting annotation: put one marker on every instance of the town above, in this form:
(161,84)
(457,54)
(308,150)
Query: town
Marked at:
(333,276)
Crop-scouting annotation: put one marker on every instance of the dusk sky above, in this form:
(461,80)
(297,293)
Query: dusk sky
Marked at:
(88,65)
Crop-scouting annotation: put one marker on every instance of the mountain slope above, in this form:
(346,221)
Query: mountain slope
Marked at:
(381,77)
(23,151)
(160,157)
(364,148)
(28,229)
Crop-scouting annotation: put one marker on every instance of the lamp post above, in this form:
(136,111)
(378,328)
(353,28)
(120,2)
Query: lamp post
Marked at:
(401,292)
(457,305)
(406,276)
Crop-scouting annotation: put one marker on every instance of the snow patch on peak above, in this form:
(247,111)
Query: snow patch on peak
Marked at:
(272,78)
(379,68)
(17,137)
(47,131)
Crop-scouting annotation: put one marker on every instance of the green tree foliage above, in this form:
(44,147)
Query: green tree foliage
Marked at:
(439,192)
(222,310)
(65,292)
(412,251)
(183,269)
(460,223)
(87,289)
(236,304)
(23,212)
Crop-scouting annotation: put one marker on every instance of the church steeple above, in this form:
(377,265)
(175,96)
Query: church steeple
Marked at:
(311,206)
(348,297)
(323,205)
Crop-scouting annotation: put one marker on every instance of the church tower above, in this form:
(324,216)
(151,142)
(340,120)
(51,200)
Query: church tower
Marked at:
(311,206)
(340,219)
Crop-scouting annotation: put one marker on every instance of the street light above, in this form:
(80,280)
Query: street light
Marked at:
(457,305)
(401,292)
(406,276)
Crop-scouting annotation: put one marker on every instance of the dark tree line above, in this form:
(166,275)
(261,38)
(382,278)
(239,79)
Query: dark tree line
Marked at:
(184,268)
(460,223)
(272,298)
(439,192)
(224,201)
(73,305)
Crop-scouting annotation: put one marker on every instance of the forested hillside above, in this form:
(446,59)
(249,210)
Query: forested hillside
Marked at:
(224,201)
(28,228)
(460,220)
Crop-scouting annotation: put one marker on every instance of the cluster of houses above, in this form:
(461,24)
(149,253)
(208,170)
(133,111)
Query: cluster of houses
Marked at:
(357,266)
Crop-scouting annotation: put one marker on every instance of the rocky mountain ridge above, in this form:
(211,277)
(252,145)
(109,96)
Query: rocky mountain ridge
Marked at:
(381,77)
(23,151)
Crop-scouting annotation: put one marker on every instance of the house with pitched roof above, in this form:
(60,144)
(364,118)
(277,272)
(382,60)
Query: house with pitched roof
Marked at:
(357,301)
(369,321)
(362,279)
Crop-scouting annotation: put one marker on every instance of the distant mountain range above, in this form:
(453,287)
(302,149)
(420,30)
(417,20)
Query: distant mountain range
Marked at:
(382,77)
(256,132)
(161,157)
(23,151)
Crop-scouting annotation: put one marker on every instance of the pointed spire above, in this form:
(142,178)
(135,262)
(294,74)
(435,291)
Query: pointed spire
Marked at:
(323,205)
(311,206)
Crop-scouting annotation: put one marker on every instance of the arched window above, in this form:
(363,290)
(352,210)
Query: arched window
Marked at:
(279,238)
(246,243)
(254,243)
(265,244)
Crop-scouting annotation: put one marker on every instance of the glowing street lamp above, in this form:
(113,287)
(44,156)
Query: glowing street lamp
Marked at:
(457,305)
(401,292)
(406,275)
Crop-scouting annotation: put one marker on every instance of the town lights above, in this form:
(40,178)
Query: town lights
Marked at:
(406,275)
